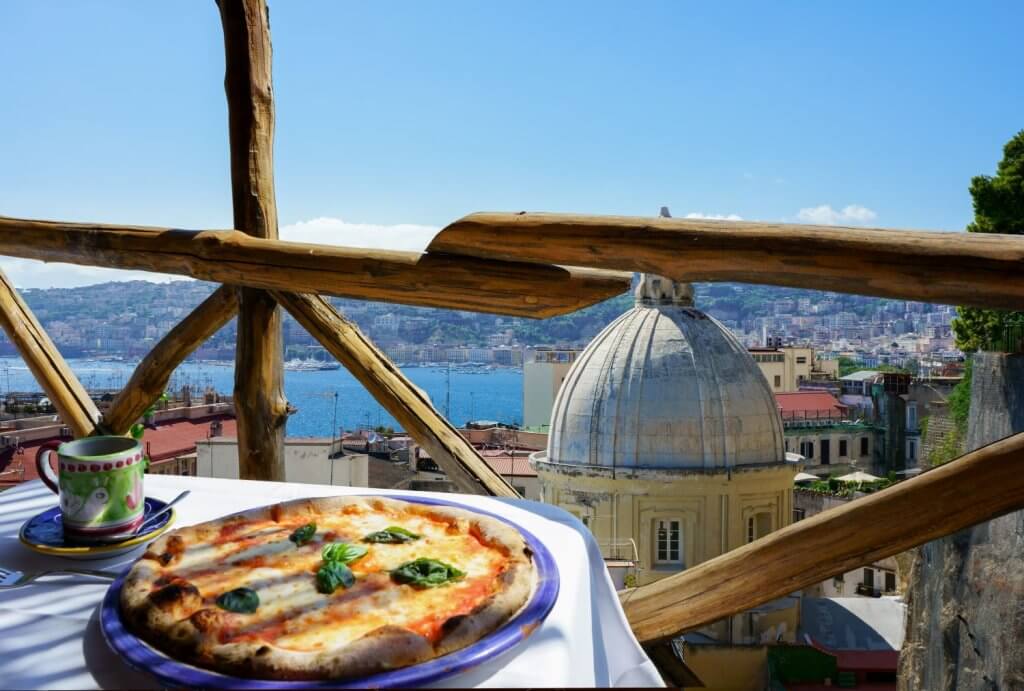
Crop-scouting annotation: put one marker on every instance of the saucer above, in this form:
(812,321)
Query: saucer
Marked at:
(44,533)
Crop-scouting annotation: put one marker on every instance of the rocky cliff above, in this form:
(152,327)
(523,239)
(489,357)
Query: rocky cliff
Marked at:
(965,626)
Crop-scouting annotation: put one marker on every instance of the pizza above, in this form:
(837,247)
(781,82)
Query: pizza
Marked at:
(330,588)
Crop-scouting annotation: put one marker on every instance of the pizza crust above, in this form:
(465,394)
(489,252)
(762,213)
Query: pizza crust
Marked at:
(172,614)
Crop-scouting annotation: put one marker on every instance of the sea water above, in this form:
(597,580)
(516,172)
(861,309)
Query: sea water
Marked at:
(321,396)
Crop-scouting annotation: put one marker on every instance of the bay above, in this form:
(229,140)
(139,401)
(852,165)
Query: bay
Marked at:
(485,395)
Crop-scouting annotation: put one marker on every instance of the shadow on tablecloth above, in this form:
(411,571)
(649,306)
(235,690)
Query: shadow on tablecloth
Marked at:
(105,665)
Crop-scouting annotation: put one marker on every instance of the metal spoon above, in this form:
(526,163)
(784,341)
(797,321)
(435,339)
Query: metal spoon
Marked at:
(124,536)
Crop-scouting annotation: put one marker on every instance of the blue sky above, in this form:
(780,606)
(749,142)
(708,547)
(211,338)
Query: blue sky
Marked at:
(396,118)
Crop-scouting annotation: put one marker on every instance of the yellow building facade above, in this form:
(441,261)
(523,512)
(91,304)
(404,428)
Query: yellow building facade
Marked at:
(712,513)
(787,367)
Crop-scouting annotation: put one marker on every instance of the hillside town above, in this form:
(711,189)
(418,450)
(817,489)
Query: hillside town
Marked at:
(113,320)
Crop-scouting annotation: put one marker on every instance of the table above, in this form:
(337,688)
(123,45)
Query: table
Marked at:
(50,635)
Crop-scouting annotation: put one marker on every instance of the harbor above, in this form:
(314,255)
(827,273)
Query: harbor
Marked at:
(471,393)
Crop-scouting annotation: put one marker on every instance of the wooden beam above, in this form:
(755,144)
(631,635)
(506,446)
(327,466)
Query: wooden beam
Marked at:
(260,405)
(151,375)
(510,288)
(68,396)
(674,671)
(400,397)
(977,487)
(977,269)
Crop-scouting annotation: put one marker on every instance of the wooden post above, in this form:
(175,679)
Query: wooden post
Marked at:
(400,397)
(150,377)
(231,257)
(259,387)
(979,269)
(68,396)
(976,487)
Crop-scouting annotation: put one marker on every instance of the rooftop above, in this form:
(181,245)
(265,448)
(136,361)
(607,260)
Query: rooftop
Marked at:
(809,404)
(862,375)
(164,441)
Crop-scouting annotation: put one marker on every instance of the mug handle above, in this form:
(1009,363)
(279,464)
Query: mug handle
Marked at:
(46,473)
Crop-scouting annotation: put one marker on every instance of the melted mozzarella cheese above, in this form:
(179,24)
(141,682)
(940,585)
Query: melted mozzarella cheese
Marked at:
(294,615)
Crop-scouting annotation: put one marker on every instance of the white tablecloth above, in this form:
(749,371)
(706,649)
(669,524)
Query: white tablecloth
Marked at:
(50,635)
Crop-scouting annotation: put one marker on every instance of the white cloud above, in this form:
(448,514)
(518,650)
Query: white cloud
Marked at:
(825,215)
(714,217)
(29,273)
(334,231)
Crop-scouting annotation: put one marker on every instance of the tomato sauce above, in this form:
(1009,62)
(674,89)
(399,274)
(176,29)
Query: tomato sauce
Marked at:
(471,594)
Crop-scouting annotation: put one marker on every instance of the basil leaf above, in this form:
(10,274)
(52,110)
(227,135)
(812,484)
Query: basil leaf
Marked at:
(342,552)
(333,574)
(240,600)
(392,534)
(426,573)
(303,534)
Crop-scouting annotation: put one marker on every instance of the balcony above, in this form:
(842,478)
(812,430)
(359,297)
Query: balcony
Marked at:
(533,265)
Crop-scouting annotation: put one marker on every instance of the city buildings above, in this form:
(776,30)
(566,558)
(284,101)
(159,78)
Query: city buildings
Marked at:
(119,320)
(787,368)
(310,461)
(831,439)
(543,374)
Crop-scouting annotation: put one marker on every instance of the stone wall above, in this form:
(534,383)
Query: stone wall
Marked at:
(940,425)
(965,627)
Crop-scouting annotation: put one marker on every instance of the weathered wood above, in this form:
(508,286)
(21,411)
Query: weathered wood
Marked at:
(68,396)
(511,288)
(954,268)
(400,397)
(674,671)
(977,487)
(151,375)
(260,405)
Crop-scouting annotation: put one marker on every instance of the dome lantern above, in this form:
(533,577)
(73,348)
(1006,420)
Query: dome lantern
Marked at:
(656,290)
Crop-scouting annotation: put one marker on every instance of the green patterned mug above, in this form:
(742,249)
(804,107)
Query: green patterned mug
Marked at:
(99,482)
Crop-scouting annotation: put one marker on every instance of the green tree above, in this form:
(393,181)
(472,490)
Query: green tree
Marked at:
(847,365)
(998,208)
(960,399)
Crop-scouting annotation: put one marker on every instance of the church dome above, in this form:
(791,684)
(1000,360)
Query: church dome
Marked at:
(665,387)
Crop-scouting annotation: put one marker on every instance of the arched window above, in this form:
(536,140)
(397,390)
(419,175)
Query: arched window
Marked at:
(758,525)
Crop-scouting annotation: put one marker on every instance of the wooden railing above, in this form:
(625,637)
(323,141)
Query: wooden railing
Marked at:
(523,265)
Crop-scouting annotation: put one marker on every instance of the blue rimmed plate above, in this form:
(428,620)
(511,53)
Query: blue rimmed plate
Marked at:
(44,533)
(172,673)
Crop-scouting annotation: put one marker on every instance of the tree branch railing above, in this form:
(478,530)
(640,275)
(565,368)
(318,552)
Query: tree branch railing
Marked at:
(260,405)
(978,269)
(229,256)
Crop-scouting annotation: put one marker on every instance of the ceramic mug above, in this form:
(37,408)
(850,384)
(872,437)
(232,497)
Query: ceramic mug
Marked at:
(99,481)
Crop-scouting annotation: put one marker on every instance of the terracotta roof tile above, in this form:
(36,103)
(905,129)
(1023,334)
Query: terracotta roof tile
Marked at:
(164,441)
(809,404)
